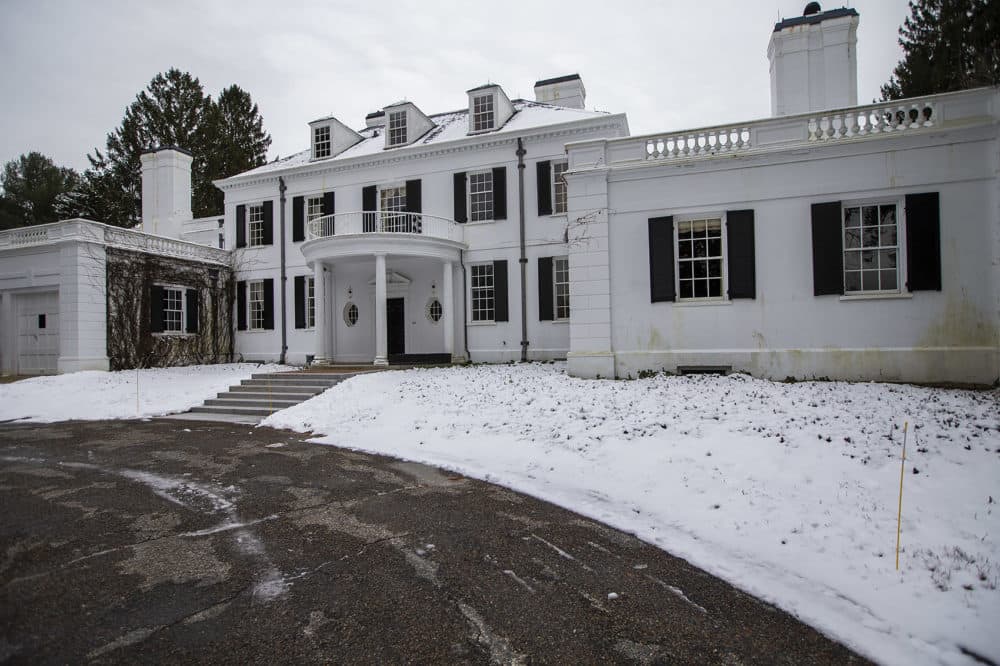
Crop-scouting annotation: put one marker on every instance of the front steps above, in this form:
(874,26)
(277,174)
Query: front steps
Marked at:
(266,393)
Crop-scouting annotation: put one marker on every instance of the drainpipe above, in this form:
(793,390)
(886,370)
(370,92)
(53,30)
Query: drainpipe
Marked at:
(524,259)
(465,315)
(284,277)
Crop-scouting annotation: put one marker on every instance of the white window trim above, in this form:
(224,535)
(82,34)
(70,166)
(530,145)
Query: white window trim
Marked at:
(310,304)
(308,203)
(552,187)
(555,291)
(901,274)
(723,298)
(250,223)
(183,330)
(250,327)
(493,111)
(347,307)
(472,320)
(389,129)
(328,142)
(468,196)
(427,310)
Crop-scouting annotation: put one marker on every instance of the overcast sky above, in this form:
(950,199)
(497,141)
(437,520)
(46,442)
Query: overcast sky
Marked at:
(69,69)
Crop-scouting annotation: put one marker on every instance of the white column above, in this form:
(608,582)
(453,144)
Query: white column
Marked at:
(381,355)
(331,310)
(319,294)
(448,308)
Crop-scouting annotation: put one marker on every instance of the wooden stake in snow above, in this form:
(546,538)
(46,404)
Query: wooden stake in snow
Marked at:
(137,390)
(899,514)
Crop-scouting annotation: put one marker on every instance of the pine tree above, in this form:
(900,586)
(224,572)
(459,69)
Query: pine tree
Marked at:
(236,141)
(947,45)
(31,186)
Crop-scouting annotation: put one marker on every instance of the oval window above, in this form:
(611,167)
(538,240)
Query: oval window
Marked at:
(350,314)
(434,310)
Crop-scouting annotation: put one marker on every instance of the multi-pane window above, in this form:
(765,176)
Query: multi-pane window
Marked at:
(559,187)
(482,292)
(434,310)
(392,203)
(871,249)
(321,142)
(699,259)
(397,128)
(173,310)
(560,284)
(256,304)
(481,196)
(310,303)
(255,216)
(314,208)
(482,113)
(350,314)
(222,234)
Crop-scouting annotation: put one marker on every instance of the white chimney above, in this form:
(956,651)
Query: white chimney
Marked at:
(814,64)
(562,91)
(166,191)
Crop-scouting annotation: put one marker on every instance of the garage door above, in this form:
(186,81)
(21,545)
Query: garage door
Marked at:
(37,333)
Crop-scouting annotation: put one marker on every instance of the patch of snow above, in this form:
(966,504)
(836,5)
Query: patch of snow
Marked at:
(788,491)
(126,394)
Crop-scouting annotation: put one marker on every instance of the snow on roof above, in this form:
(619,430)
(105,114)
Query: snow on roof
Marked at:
(451,126)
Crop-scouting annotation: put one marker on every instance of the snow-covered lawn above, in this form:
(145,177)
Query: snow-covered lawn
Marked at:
(94,395)
(789,491)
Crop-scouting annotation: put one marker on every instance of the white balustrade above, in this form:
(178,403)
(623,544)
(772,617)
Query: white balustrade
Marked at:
(385,222)
(872,120)
(694,143)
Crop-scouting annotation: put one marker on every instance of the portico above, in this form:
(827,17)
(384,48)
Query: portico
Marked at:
(380,295)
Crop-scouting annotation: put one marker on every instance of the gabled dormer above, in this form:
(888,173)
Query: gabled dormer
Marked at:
(489,108)
(404,124)
(329,137)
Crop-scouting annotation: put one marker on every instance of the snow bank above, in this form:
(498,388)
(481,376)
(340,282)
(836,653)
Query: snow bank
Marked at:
(94,395)
(789,491)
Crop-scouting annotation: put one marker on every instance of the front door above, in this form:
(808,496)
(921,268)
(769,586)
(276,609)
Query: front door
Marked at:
(395,322)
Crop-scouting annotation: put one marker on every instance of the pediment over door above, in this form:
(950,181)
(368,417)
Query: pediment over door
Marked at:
(396,284)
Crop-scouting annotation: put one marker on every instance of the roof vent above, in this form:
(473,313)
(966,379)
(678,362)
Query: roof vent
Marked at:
(812,8)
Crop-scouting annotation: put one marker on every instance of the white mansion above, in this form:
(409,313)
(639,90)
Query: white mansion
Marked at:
(830,240)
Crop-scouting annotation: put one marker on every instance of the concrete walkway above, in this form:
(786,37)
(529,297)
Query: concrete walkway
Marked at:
(171,541)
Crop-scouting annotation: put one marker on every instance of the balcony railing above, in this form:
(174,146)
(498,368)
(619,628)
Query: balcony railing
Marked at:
(385,222)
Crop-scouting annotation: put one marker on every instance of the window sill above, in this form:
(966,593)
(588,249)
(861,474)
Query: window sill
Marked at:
(257,330)
(876,297)
(560,321)
(702,304)
(482,323)
(562,214)
(476,224)
(174,334)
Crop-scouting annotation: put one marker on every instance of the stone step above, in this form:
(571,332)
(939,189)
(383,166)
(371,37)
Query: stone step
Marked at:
(243,411)
(288,383)
(318,376)
(300,392)
(250,402)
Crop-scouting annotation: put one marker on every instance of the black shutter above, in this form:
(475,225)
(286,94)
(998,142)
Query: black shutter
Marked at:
(241,306)
(413,203)
(191,314)
(661,259)
(500,308)
(268,304)
(300,301)
(923,242)
(543,171)
(268,223)
(460,213)
(369,204)
(828,250)
(241,226)
(500,193)
(545,289)
(156,309)
(740,245)
(329,208)
(298,219)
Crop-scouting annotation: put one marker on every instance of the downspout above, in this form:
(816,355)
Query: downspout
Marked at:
(524,258)
(284,277)
(465,308)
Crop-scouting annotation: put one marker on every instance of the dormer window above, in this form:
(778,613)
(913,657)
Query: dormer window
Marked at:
(321,142)
(397,128)
(482,113)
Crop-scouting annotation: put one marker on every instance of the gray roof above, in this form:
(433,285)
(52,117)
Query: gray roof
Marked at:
(814,18)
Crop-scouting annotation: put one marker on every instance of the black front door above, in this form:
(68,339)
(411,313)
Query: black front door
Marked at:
(395,322)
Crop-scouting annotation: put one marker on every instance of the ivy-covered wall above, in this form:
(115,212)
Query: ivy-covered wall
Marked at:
(131,277)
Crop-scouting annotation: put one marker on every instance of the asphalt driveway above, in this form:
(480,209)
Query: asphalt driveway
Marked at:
(178,541)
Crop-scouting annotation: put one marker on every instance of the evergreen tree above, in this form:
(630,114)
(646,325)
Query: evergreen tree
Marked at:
(31,186)
(236,140)
(947,45)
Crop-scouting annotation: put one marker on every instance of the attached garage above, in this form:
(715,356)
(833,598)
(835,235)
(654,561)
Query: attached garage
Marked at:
(37,332)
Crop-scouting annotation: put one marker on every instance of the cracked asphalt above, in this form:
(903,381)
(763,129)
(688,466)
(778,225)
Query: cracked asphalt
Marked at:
(168,541)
